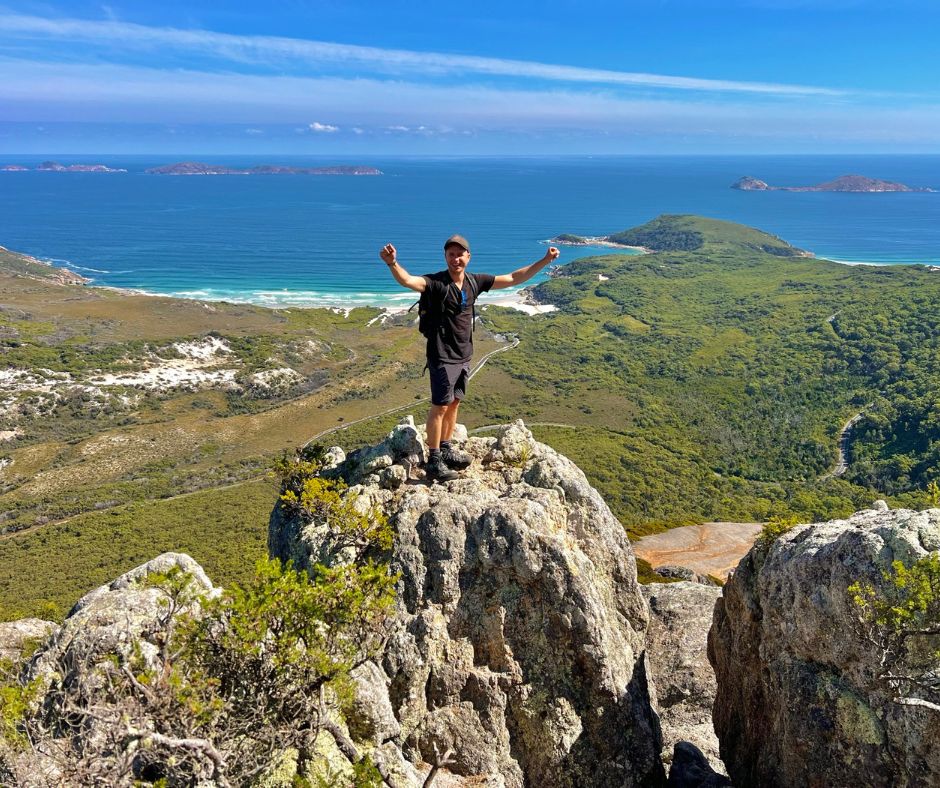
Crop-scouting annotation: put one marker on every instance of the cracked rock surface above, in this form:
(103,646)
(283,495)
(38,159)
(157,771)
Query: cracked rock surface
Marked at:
(518,642)
(797,704)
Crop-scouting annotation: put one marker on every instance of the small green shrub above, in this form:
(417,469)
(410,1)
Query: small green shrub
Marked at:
(901,621)
(774,528)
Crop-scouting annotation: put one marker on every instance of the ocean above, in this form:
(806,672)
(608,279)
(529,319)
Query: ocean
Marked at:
(314,241)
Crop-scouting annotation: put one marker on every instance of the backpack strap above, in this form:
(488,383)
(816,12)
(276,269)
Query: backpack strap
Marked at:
(472,287)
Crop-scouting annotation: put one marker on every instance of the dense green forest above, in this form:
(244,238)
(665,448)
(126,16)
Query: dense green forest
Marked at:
(712,378)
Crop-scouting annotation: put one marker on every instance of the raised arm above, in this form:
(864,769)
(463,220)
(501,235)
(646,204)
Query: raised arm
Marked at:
(520,275)
(390,257)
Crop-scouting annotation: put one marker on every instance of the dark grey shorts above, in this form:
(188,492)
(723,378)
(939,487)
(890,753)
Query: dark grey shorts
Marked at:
(448,381)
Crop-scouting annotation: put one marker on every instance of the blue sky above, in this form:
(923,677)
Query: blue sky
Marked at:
(371,78)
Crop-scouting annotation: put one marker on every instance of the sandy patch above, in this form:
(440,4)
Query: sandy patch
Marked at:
(708,549)
(204,349)
(170,375)
(33,380)
(199,367)
(520,301)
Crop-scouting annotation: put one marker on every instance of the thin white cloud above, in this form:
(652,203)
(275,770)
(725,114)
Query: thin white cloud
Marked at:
(271,50)
(40,92)
(322,128)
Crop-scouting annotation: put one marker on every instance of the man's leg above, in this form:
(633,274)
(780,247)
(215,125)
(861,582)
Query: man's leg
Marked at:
(442,395)
(449,420)
(454,458)
(435,425)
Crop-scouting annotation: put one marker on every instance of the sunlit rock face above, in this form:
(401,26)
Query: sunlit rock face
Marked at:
(518,643)
(797,702)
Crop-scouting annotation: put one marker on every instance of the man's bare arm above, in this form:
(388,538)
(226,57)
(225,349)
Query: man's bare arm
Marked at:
(390,257)
(520,275)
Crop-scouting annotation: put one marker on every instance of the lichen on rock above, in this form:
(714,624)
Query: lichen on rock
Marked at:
(518,641)
(797,700)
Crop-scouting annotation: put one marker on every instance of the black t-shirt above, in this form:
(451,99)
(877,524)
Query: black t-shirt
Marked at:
(454,343)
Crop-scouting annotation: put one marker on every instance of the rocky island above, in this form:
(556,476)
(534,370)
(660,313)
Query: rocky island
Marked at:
(200,168)
(54,166)
(844,183)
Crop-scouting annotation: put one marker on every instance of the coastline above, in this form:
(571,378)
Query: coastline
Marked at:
(597,241)
(391,303)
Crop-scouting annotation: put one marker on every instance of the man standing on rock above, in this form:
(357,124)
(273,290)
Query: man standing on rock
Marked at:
(446,319)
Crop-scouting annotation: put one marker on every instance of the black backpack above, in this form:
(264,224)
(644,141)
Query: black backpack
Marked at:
(431,311)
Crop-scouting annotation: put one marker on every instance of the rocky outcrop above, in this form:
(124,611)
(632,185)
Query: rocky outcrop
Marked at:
(18,639)
(676,641)
(749,184)
(670,572)
(518,642)
(117,619)
(113,619)
(797,704)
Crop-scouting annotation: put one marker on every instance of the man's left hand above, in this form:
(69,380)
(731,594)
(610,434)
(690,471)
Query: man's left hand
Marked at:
(552,253)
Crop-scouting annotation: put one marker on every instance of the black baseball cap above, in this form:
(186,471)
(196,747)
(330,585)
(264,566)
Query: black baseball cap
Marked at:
(459,240)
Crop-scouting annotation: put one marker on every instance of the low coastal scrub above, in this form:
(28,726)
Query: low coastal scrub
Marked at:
(712,384)
(44,572)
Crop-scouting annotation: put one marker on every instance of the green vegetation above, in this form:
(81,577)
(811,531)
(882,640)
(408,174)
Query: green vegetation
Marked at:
(900,620)
(46,571)
(896,445)
(774,528)
(665,234)
(707,381)
(232,679)
(711,384)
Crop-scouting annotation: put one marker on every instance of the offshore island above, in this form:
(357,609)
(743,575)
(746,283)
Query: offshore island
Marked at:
(844,183)
(54,166)
(200,168)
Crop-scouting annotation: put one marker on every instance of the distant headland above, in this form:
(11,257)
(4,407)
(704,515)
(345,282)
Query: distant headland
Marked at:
(54,166)
(200,168)
(844,183)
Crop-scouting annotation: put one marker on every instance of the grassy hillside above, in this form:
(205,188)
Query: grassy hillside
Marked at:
(705,381)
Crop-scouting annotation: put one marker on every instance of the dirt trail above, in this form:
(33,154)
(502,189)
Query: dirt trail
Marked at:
(708,549)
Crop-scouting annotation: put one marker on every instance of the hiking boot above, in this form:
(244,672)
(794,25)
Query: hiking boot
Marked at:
(437,471)
(454,458)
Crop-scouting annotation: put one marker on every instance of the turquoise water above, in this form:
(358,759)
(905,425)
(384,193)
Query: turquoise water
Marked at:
(315,240)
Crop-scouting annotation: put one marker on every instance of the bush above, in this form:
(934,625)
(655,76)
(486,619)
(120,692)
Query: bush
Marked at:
(224,685)
(901,621)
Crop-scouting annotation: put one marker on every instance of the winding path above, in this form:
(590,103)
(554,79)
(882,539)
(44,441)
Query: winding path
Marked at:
(841,463)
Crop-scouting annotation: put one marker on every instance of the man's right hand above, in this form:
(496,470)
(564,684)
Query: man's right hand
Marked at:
(388,254)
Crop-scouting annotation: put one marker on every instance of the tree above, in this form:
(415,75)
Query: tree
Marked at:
(902,623)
